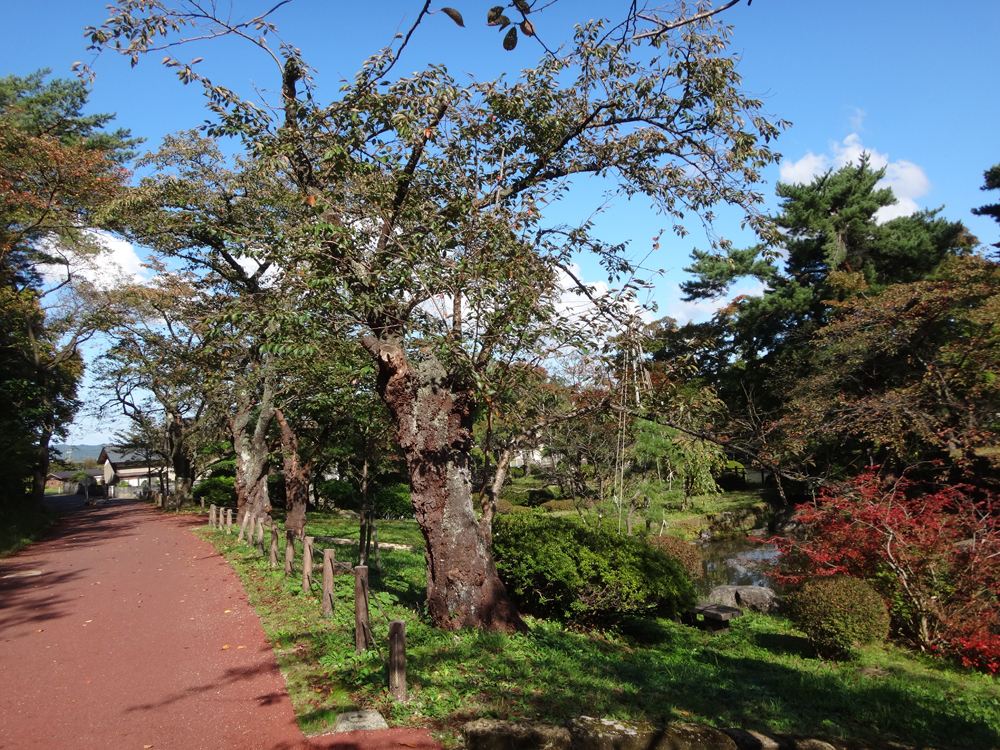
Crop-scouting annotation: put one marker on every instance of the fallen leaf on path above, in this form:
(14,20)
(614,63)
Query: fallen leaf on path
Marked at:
(407,744)
(227,611)
(239,647)
(89,620)
(225,647)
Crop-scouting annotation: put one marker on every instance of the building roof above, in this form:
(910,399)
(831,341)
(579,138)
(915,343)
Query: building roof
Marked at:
(67,475)
(117,457)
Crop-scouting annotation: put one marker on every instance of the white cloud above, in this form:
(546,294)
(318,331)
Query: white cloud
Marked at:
(700,310)
(857,118)
(116,264)
(119,262)
(907,180)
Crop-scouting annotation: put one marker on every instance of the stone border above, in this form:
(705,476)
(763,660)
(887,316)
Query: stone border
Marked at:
(589,733)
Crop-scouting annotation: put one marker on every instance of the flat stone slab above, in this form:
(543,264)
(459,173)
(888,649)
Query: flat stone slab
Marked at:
(359,720)
(23,574)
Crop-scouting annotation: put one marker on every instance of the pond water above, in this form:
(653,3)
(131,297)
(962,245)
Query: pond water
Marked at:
(735,562)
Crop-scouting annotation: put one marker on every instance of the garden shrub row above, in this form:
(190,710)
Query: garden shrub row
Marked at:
(555,567)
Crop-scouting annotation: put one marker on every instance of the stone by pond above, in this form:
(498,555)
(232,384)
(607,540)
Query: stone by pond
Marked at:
(735,562)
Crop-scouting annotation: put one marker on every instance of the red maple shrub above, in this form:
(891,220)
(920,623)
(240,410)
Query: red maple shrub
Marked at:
(934,557)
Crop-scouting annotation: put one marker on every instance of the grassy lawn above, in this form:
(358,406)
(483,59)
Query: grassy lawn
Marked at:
(763,675)
(21,523)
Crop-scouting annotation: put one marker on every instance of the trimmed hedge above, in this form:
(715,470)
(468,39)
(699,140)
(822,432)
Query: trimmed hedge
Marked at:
(836,613)
(553,567)
(682,551)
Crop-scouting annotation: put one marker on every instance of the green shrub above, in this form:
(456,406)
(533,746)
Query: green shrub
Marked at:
(217,490)
(683,552)
(504,506)
(838,612)
(554,505)
(515,472)
(537,496)
(557,568)
(340,494)
(393,501)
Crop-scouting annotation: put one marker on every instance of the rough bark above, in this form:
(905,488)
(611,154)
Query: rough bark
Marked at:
(40,471)
(296,478)
(179,459)
(434,421)
(253,451)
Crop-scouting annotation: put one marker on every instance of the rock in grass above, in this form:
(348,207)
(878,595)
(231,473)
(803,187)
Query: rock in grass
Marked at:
(355,720)
(491,734)
(608,734)
(752,598)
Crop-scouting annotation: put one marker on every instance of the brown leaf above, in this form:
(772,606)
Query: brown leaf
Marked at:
(454,15)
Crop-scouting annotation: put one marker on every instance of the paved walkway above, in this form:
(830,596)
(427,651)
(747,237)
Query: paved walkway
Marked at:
(122,629)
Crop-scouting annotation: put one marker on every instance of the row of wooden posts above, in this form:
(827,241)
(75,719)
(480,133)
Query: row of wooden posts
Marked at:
(363,638)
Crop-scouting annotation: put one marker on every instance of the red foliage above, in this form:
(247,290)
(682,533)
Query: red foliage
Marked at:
(933,556)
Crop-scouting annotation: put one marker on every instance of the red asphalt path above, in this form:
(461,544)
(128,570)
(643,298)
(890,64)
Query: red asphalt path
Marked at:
(138,634)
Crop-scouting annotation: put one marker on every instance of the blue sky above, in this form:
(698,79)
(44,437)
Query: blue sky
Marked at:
(912,81)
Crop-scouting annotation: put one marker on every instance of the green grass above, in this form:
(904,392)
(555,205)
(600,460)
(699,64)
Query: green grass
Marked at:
(22,523)
(763,675)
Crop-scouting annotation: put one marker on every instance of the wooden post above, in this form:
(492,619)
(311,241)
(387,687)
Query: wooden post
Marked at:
(289,551)
(203,502)
(252,528)
(397,659)
(361,627)
(329,556)
(229,520)
(260,537)
(307,565)
(274,544)
(211,515)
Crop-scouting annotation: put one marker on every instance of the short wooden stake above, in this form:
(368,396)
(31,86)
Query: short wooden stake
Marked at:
(229,520)
(260,537)
(252,528)
(361,628)
(329,556)
(397,660)
(307,565)
(211,515)
(274,544)
(289,551)
(243,526)
(203,502)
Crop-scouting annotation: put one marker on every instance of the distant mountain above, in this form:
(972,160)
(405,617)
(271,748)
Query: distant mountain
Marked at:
(78,452)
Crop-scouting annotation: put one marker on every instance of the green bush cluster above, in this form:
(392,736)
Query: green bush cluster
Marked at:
(393,501)
(554,567)
(340,494)
(680,550)
(837,612)
(217,490)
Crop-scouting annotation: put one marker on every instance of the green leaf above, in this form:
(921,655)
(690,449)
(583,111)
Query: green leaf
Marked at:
(454,15)
(510,41)
(494,15)
(522,5)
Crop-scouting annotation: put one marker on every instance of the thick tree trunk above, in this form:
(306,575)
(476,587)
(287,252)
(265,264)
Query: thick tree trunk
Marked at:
(296,478)
(179,460)
(244,453)
(253,452)
(40,471)
(434,423)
